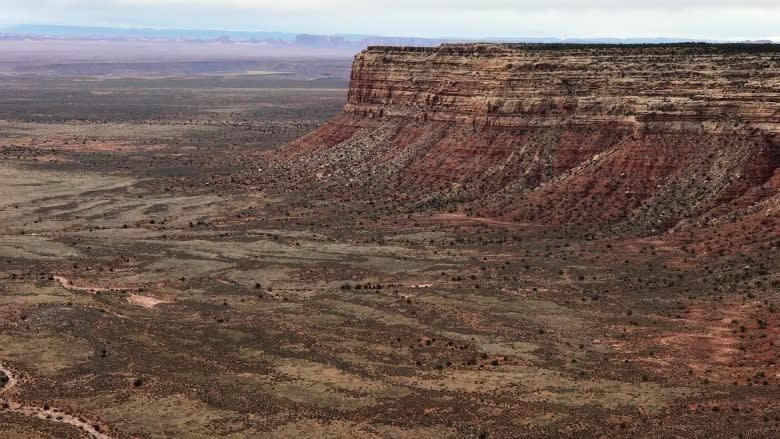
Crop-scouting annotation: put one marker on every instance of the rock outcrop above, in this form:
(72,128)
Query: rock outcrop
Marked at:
(644,138)
(692,88)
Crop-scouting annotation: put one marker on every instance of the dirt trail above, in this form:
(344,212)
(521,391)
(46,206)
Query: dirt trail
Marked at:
(457,217)
(134,299)
(51,415)
(68,285)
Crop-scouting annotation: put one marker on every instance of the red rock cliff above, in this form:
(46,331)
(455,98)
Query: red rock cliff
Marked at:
(641,137)
(694,88)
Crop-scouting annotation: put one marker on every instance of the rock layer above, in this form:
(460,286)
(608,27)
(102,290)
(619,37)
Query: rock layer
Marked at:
(696,88)
(648,138)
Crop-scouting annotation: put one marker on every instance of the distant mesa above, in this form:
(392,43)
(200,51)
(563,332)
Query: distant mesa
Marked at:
(319,40)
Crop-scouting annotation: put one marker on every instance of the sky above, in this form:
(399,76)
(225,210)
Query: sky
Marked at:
(691,19)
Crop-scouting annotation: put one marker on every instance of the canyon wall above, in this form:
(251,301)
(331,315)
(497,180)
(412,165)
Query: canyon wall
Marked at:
(647,138)
(688,87)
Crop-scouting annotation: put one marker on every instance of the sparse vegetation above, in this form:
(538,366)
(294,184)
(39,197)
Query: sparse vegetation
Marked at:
(175,278)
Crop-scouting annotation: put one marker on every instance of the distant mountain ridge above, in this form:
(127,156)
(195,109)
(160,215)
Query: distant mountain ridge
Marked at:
(359,41)
(85,31)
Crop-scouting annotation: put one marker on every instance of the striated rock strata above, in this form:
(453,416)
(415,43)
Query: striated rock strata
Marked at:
(648,138)
(658,88)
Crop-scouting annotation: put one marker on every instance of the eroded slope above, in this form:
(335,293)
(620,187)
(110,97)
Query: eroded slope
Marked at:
(641,138)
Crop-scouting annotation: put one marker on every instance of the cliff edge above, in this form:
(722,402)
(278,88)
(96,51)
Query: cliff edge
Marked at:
(641,138)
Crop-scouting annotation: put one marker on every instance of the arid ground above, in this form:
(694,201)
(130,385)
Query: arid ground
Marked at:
(150,289)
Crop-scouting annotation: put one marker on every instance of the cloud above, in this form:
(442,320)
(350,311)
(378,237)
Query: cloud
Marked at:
(519,5)
(713,19)
(304,6)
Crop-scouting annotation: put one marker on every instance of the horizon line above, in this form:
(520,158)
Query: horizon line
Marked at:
(29,29)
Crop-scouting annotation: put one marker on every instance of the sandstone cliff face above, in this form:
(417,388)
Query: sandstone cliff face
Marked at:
(647,138)
(678,88)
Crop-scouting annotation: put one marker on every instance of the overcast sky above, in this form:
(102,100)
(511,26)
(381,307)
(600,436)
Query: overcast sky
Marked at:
(703,19)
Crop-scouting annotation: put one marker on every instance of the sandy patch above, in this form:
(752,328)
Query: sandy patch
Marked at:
(145,301)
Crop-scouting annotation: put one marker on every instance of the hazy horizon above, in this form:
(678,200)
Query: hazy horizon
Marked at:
(74,31)
(467,19)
